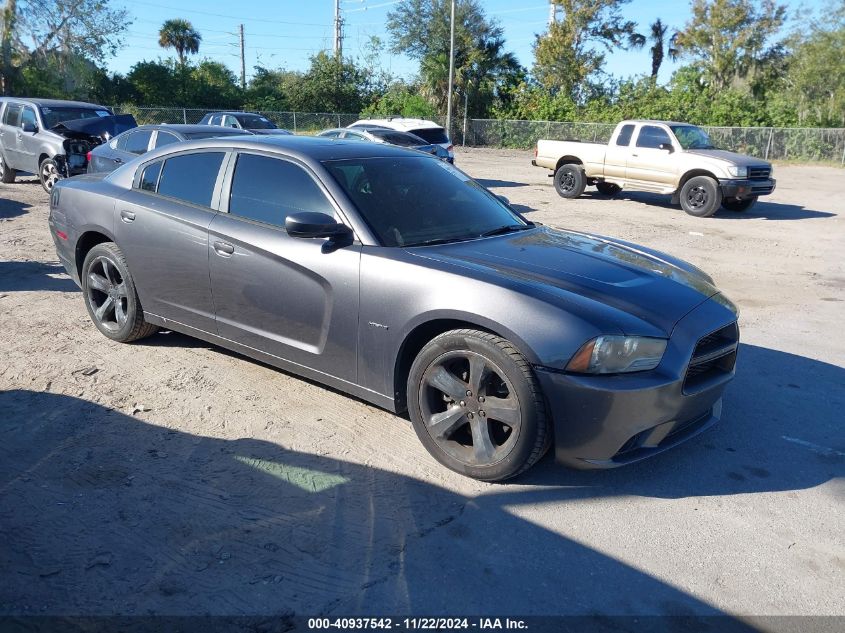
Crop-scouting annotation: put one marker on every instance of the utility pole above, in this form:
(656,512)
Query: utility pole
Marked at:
(338,31)
(451,71)
(552,12)
(243,60)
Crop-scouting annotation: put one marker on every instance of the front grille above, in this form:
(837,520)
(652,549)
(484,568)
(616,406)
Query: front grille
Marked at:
(714,356)
(759,172)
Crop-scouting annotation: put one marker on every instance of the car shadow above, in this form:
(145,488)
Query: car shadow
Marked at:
(762,209)
(12,208)
(104,513)
(780,430)
(31,275)
(490,182)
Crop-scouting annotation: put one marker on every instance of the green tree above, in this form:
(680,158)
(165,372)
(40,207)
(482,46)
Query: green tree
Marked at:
(731,40)
(212,85)
(660,44)
(181,36)
(153,83)
(574,47)
(330,85)
(421,29)
(401,99)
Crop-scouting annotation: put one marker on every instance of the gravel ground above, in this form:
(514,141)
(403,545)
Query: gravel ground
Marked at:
(173,477)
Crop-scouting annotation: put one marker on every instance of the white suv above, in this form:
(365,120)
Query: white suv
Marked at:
(428,130)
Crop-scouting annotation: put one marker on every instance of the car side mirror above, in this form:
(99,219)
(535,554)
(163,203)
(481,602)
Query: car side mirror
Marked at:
(667,146)
(310,224)
(29,126)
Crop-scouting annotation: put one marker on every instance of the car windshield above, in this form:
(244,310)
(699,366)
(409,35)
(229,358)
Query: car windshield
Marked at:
(691,137)
(256,122)
(431,134)
(214,133)
(397,138)
(416,201)
(53,116)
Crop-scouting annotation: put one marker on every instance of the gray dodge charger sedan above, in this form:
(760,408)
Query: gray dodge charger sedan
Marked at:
(395,277)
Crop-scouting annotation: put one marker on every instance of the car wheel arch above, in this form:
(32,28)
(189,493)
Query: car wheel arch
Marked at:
(87,241)
(692,173)
(568,160)
(421,333)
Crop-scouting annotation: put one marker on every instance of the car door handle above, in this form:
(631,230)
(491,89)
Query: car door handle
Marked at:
(224,249)
(127,216)
(119,161)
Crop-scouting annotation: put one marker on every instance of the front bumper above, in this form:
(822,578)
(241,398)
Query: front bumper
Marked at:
(744,188)
(610,421)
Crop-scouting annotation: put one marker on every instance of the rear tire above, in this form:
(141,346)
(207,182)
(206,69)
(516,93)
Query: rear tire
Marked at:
(7,174)
(570,180)
(608,188)
(110,295)
(476,405)
(701,196)
(739,204)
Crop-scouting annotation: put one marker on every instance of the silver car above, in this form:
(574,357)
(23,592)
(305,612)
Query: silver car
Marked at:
(52,138)
(393,276)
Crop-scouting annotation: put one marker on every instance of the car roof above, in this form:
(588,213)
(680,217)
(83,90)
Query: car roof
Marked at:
(399,123)
(655,121)
(189,128)
(55,103)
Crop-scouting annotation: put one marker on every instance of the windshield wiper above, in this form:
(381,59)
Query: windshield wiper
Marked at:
(508,228)
(439,240)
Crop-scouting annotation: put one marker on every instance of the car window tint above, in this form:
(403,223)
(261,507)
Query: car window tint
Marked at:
(12,116)
(191,177)
(355,136)
(652,136)
(431,134)
(165,138)
(230,121)
(269,189)
(121,141)
(625,134)
(330,134)
(149,178)
(398,138)
(138,142)
(28,116)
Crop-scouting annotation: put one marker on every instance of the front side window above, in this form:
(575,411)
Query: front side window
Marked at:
(138,142)
(269,189)
(28,116)
(414,201)
(624,138)
(191,177)
(652,137)
(230,121)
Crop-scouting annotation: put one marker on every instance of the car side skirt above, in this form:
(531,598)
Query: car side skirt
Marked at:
(373,397)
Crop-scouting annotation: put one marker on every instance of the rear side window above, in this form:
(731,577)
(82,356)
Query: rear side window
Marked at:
(12,116)
(625,134)
(138,142)
(165,138)
(652,136)
(269,189)
(149,179)
(191,177)
(435,135)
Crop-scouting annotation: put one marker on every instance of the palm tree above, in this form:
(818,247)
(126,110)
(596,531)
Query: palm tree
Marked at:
(180,34)
(660,47)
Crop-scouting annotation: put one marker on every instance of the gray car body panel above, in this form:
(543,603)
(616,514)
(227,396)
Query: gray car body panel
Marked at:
(343,313)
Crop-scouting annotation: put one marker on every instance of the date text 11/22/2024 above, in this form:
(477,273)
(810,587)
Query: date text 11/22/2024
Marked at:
(417,623)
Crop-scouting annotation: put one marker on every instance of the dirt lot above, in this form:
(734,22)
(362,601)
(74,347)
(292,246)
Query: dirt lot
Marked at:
(171,477)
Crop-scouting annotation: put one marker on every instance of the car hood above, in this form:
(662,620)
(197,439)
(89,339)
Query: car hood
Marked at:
(740,160)
(102,128)
(639,282)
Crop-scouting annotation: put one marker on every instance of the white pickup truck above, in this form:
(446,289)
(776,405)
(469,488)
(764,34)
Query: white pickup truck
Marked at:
(660,157)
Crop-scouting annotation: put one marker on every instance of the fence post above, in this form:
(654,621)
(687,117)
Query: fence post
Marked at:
(338,120)
(549,130)
(294,122)
(769,144)
(184,115)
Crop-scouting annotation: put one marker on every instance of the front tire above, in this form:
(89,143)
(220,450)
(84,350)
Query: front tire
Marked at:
(476,405)
(7,174)
(110,295)
(48,174)
(701,196)
(570,181)
(739,204)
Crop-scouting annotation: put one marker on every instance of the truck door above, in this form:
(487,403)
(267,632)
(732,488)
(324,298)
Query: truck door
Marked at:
(649,167)
(616,155)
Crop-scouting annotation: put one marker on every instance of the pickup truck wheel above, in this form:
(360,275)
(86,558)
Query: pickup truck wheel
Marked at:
(739,204)
(49,174)
(701,196)
(570,181)
(608,188)
(7,174)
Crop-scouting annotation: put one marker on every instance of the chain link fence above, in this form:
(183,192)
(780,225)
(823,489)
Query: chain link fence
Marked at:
(798,144)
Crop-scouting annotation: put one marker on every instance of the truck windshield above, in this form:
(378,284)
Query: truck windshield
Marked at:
(691,137)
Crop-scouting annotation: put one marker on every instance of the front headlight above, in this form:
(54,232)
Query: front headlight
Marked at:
(738,172)
(617,354)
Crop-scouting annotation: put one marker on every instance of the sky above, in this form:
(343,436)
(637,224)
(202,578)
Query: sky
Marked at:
(285,33)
